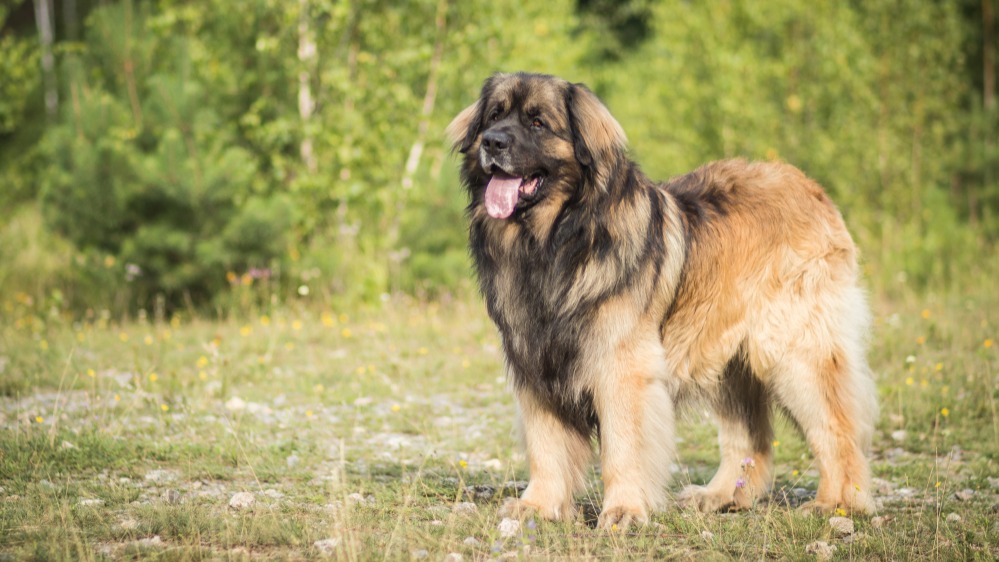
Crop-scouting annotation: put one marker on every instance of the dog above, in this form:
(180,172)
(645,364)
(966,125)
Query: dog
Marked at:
(620,299)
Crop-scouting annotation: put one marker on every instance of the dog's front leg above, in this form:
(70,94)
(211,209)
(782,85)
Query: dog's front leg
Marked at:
(558,456)
(636,437)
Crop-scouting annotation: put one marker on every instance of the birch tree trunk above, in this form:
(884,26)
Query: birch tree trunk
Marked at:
(306,104)
(43,19)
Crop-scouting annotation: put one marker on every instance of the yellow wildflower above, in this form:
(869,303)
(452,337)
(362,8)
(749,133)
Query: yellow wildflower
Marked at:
(296,325)
(202,361)
(265,320)
(987,343)
(123,336)
(148,340)
(164,407)
(91,373)
(396,407)
(346,333)
(39,419)
(944,412)
(776,443)
(925,313)
(153,377)
(245,330)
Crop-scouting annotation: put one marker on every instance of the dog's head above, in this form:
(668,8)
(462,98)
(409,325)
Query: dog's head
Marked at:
(531,134)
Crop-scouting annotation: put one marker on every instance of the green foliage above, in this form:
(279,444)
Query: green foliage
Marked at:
(195,140)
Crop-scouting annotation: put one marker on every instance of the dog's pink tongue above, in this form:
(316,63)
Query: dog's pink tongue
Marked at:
(501,196)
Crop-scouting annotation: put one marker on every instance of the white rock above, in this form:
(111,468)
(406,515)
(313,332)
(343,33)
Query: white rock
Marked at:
(235,404)
(67,445)
(128,524)
(454,557)
(242,500)
(821,549)
(953,518)
(841,525)
(292,460)
(465,507)
(420,553)
(91,502)
(508,527)
(150,542)
(471,541)
(965,495)
(327,546)
(159,476)
(899,435)
(273,494)
(707,535)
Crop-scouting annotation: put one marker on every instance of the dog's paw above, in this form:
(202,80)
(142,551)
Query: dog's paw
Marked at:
(705,500)
(817,508)
(621,517)
(520,509)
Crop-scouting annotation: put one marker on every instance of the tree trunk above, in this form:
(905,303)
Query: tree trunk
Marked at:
(306,105)
(43,18)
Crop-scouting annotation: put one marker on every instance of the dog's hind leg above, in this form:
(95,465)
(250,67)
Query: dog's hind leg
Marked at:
(558,457)
(745,439)
(825,384)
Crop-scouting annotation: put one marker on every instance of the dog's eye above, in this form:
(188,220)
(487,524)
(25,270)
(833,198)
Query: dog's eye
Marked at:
(537,123)
(494,115)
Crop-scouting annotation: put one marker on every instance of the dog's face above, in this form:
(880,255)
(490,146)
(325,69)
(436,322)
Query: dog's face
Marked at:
(530,135)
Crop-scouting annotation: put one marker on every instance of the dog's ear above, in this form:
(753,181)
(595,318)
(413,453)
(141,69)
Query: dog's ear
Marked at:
(595,132)
(465,127)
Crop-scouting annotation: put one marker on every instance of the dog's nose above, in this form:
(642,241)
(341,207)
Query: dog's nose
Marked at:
(496,141)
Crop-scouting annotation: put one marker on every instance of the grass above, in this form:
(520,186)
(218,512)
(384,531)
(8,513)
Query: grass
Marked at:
(374,428)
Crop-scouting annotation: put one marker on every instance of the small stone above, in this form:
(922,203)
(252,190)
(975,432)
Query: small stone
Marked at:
(358,499)
(327,547)
(420,553)
(150,542)
(292,460)
(993,483)
(880,521)
(821,549)
(436,523)
(800,492)
(242,500)
(160,476)
(454,557)
(128,524)
(273,494)
(67,445)
(465,507)
(953,518)
(91,502)
(508,527)
(707,535)
(899,435)
(841,525)
(471,541)
(965,495)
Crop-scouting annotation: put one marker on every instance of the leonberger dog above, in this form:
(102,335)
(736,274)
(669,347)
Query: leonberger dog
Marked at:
(619,299)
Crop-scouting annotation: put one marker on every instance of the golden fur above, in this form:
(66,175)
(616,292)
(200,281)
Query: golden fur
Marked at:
(619,298)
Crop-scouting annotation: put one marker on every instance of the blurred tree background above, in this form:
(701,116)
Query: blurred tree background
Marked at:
(175,153)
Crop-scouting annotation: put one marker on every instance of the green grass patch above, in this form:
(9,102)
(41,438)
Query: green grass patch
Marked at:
(374,429)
